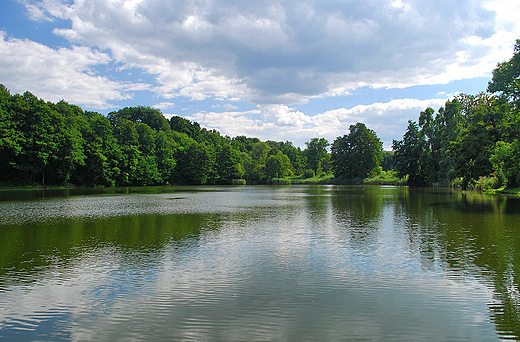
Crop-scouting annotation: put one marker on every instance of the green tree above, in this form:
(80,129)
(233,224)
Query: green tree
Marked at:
(316,154)
(357,154)
(505,159)
(11,139)
(228,164)
(44,135)
(506,78)
(298,161)
(408,154)
(195,163)
(166,148)
(150,116)
(278,166)
(183,125)
(472,150)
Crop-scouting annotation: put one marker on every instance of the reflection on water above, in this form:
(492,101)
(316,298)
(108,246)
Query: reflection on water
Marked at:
(259,263)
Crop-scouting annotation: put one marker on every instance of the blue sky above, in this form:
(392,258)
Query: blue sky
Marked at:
(272,69)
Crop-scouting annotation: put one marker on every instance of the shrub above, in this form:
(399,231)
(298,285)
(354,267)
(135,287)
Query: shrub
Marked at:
(308,173)
(238,182)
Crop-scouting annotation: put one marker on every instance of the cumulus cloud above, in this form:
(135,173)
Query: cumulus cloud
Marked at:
(51,73)
(389,120)
(272,52)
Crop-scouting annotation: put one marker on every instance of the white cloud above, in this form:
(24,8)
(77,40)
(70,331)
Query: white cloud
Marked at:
(270,52)
(163,105)
(278,122)
(56,74)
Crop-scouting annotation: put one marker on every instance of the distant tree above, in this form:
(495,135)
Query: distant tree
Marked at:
(150,116)
(357,154)
(471,152)
(228,164)
(166,147)
(408,154)
(278,166)
(506,78)
(388,161)
(295,155)
(195,163)
(316,154)
(243,143)
(182,125)
(11,139)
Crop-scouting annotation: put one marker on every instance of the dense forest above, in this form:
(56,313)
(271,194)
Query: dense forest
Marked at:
(473,137)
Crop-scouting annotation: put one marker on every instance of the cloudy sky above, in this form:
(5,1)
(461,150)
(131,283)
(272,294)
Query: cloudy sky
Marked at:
(272,69)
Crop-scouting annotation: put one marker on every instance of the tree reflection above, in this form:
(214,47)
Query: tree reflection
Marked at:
(358,211)
(28,251)
(470,235)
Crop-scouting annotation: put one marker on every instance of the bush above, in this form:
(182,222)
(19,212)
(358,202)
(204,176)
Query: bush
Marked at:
(308,173)
(238,182)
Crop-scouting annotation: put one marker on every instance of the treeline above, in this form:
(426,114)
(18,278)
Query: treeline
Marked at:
(471,138)
(53,143)
(474,138)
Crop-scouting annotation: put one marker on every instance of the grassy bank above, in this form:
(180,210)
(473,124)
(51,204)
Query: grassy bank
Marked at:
(385,178)
(35,187)
(506,191)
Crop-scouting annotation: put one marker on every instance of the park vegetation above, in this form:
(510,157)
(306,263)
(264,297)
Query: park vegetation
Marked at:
(472,140)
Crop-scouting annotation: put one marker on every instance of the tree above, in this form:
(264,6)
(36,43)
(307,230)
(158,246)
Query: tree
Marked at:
(505,159)
(408,154)
(278,166)
(316,153)
(194,163)
(471,152)
(11,138)
(45,138)
(150,116)
(183,125)
(357,154)
(506,78)
(165,153)
(228,164)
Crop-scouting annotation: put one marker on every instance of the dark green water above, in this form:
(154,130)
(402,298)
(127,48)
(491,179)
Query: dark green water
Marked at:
(299,263)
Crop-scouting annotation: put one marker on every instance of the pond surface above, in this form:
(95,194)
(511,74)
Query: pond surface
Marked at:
(259,263)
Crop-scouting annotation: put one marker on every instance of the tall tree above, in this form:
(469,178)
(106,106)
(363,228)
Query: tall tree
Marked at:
(408,154)
(278,166)
(147,115)
(316,154)
(357,154)
(183,125)
(472,150)
(506,78)
(228,164)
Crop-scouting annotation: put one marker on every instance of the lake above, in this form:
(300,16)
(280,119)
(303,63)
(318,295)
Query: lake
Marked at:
(259,263)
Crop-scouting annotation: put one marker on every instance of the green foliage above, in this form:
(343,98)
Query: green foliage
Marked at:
(194,163)
(505,159)
(150,116)
(308,173)
(228,164)
(506,78)
(278,166)
(316,154)
(408,154)
(182,125)
(473,141)
(357,154)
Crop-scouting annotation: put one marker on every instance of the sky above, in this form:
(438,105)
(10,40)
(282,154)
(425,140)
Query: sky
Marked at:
(282,70)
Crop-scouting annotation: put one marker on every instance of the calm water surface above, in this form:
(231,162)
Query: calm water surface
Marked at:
(299,263)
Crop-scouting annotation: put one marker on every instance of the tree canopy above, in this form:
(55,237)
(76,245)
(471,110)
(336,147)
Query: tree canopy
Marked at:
(356,154)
